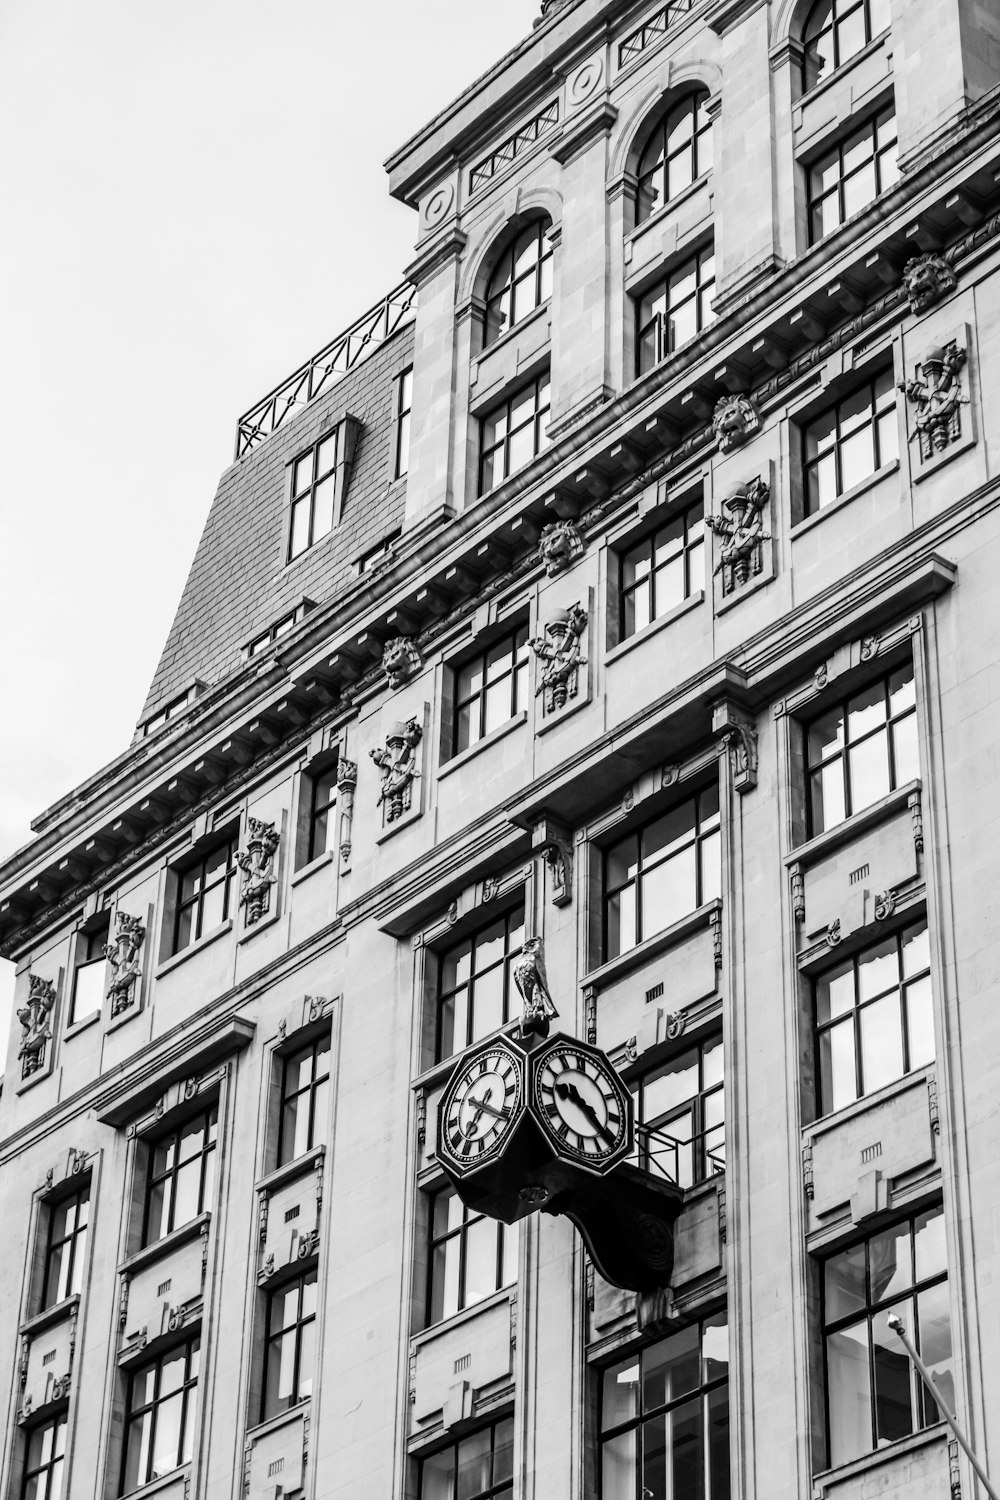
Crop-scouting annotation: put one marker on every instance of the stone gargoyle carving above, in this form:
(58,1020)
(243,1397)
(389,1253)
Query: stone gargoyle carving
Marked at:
(926,279)
(398,763)
(937,396)
(559,650)
(34,1019)
(742,532)
(123,956)
(257,863)
(559,545)
(734,420)
(529,976)
(400,660)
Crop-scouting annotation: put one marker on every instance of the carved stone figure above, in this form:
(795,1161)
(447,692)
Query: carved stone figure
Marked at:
(561,655)
(559,545)
(347,780)
(257,863)
(937,395)
(123,956)
(529,976)
(34,1018)
(742,533)
(734,421)
(398,762)
(400,660)
(926,279)
(737,736)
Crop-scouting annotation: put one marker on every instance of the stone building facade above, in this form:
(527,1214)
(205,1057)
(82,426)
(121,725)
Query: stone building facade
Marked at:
(626,579)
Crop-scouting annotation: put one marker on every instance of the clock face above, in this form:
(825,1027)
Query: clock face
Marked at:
(480,1107)
(581,1105)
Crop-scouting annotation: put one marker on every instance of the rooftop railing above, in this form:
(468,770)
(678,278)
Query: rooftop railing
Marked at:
(325,368)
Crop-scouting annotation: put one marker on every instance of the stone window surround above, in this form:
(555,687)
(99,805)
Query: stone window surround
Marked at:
(316,1015)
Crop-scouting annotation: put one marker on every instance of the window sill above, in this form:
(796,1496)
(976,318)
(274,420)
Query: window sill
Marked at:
(203,942)
(667,209)
(35,1325)
(160,1249)
(274,1424)
(290,1170)
(660,623)
(314,865)
(923,1439)
(155,1486)
(860,822)
(845,499)
(913,1079)
(249,933)
(436,1330)
(77,1026)
(469,753)
(634,958)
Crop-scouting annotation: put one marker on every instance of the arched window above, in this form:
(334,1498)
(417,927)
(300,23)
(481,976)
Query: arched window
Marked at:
(521,279)
(677,153)
(835,30)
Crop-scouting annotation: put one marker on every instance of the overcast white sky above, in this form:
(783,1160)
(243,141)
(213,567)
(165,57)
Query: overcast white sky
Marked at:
(193,202)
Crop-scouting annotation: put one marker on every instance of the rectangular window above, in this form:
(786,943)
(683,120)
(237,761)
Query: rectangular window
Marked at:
(477,1467)
(205,894)
(852,174)
(471,1256)
(305,1099)
(175,707)
(380,554)
(513,433)
(404,402)
(322,813)
(181,1178)
(159,1416)
(89,971)
(65,1246)
(849,441)
(474,982)
(873,1395)
(43,1468)
(661,872)
(862,749)
(274,632)
(491,689)
(663,570)
(290,1344)
(874,1020)
(665,1417)
(314,482)
(675,309)
(680,1113)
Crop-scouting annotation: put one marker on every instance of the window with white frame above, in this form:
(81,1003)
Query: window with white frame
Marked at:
(852,172)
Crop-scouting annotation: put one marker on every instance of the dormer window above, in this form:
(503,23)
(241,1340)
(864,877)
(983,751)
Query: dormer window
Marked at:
(677,153)
(521,279)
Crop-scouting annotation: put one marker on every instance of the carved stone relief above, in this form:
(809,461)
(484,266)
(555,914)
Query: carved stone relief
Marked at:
(936,393)
(738,736)
(559,652)
(347,781)
(926,279)
(398,764)
(257,863)
(400,660)
(34,1018)
(123,956)
(734,421)
(742,532)
(559,545)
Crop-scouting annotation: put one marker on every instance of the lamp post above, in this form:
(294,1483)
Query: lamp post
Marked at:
(896,1325)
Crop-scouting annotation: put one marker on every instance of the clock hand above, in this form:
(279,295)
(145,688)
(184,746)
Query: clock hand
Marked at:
(572,1093)
(481,1105)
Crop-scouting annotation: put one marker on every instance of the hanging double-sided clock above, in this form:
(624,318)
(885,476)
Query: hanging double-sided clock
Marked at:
(524,1126)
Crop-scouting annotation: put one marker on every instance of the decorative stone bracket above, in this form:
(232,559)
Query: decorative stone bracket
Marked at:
(552,841)
(739,736)
(257,863)
(347,781)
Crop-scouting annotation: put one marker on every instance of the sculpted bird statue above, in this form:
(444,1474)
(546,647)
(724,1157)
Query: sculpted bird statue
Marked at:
(529,976)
